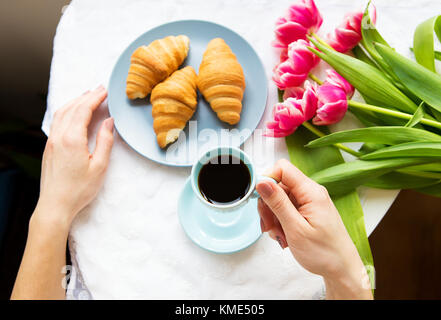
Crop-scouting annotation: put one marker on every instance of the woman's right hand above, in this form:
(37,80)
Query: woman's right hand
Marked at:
(299,214)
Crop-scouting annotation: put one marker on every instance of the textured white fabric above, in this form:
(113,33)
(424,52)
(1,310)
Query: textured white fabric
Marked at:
(128,242)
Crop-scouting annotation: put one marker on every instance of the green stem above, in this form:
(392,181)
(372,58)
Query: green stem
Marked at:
(314,78)
(320,134)
(313,129)
(320,40)
(280,95)
(392,113)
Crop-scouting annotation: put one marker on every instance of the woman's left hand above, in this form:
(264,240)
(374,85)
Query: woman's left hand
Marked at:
(72,176)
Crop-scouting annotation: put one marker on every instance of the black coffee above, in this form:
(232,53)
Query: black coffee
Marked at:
(224,180)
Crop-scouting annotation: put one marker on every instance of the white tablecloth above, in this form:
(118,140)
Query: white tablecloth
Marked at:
(128,243)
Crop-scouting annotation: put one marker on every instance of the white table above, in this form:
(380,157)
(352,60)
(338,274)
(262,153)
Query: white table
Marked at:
(128,242)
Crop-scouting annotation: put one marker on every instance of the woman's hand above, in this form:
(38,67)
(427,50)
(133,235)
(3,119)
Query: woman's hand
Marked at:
(72,176)
(70,179)
(299,214)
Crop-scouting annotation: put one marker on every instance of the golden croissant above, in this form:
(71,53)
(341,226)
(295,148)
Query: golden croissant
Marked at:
(174,102)
(221,81)
(151,64)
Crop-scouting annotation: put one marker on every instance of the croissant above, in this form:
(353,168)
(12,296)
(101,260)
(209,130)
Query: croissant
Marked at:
(221,81)
(174,102)
(151,64)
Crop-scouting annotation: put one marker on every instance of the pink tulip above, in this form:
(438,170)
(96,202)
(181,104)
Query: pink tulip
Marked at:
(332,105)
(287,117)
(294,70)
(287,32)
(310,100)
(293,92)
(333,78)
(308,95)
(301,19)
(291,113)
(283,54)
(306,13)
(348,34)
(285,76)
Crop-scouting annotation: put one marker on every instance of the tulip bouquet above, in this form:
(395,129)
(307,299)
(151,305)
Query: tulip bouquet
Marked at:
(401,143)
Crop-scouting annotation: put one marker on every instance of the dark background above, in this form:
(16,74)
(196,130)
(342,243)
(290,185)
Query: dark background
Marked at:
(406,245)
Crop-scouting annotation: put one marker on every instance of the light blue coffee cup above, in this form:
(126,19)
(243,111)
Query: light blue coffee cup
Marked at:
(237,153)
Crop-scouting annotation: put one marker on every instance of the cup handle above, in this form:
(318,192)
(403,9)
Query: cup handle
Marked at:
(255,194)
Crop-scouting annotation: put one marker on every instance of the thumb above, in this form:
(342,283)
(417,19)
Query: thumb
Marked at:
(280,204)
(104,143)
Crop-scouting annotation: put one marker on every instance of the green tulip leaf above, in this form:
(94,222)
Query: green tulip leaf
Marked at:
(343,178)
(360,54)
(423,83)
(397,180)
(368,80)
(421,174)
(377,135)
(434,191)
(430,167)
(417,116)
(370,36)
(407,150)
(423,42)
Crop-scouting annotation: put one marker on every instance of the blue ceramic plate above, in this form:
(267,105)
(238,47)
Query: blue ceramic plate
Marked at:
(133,119)
(218,231)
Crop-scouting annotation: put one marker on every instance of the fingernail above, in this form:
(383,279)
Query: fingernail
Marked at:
(265,189)
(100,87)
(262,225)
(86,92)
(109,124)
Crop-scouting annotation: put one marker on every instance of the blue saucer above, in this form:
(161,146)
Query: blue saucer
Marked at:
(218,231)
